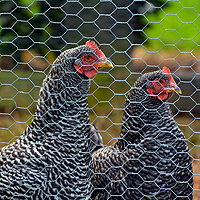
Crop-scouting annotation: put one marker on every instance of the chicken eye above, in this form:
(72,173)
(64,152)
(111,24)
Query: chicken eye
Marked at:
(162,82)
(88,58)
(158,83)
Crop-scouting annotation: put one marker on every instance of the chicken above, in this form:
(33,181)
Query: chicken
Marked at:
(51,159)
(151,158)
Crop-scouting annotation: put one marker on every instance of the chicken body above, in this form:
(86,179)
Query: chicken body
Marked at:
(151,159)
(51,159)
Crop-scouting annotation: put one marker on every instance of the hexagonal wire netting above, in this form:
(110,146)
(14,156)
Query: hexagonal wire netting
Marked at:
(137,36)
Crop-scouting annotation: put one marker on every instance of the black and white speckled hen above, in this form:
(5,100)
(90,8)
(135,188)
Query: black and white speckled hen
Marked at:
(151,159)
(50,160)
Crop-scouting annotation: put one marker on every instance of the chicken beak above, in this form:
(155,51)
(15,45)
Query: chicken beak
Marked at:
(174,89)
(103,63)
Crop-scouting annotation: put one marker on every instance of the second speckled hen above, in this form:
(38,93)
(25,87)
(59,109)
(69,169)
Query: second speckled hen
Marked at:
(151,160)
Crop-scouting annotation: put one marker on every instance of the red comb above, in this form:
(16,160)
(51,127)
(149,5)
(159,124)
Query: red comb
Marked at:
(166,70)
(91,44)
(94,47)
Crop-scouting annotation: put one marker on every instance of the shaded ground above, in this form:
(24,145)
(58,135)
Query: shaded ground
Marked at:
(181,62)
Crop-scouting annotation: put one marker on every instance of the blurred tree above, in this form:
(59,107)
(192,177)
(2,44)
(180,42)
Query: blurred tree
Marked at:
(46,28)
(180,23)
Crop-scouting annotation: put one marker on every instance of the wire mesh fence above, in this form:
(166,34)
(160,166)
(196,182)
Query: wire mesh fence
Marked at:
(137,36)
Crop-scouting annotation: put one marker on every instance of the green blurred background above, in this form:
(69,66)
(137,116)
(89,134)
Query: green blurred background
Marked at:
(137,36)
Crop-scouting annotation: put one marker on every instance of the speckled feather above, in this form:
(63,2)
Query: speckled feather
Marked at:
(96,139)
(151,159)
(50,160)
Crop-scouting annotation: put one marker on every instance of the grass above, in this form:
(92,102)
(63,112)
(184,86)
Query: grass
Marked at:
(19,89)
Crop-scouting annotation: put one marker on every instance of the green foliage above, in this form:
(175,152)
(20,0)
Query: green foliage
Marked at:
(41,27)
(24,26)
(176,24)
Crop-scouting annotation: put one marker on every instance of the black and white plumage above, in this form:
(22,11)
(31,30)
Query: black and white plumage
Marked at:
(51,159)
(151,159)
(96,139)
